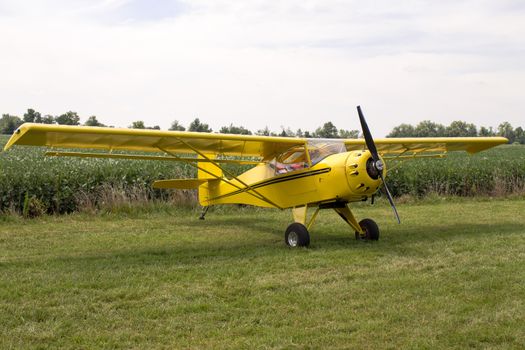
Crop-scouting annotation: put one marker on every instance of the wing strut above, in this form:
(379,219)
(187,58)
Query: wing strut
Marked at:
(143,157)
(247,187)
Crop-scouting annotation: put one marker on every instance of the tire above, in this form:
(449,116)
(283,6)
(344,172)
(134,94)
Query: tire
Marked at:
(297,235)
(371,230)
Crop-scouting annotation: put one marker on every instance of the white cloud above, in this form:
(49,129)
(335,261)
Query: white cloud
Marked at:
(257,63)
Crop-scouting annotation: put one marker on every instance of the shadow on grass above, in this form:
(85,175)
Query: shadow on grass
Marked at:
(395,240)
(394,233)
(448,231)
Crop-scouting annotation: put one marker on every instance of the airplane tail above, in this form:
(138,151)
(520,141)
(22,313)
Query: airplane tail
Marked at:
(210,173)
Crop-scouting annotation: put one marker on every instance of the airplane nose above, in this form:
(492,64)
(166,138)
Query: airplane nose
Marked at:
(374,168)
(362,173)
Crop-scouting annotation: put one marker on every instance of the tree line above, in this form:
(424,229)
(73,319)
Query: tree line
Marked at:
(458,128)
(426,128)
(9,123)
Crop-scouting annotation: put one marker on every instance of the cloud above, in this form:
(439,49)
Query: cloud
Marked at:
(257,63)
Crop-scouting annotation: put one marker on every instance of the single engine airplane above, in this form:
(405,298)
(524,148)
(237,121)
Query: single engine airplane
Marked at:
(287,172)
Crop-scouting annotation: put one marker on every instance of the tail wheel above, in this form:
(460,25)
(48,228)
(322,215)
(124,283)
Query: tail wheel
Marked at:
(297,235)
(370,228)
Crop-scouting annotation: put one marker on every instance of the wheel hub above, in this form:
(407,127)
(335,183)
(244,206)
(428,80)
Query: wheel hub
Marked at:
(293,238)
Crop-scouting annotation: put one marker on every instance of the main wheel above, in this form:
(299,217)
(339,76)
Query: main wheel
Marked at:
(297,235)
(371,230)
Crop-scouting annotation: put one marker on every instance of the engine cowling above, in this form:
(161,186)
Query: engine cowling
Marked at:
(362,174)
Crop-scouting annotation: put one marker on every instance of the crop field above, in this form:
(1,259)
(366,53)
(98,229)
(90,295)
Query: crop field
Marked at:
(498,171)
(32,184)
(450,276)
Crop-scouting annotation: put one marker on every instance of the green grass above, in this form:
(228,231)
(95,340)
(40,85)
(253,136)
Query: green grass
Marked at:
(450,276)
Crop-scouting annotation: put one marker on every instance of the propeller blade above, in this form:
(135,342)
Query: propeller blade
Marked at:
(370,144)
(390,199)
(369,140)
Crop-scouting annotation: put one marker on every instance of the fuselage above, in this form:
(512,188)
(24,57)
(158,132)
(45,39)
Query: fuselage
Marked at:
(340,177)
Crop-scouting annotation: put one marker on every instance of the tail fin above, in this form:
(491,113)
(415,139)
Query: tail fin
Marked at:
(212,173)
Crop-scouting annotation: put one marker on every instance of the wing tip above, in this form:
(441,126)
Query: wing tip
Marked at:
(16,135)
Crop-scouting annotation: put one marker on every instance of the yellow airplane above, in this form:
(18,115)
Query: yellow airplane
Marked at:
(287,172)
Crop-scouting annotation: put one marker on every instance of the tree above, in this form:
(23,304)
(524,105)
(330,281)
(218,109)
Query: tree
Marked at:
(483,131)
(327,131)
(92,121)
(348,134)
(139,124)
(9,123)
(506,130)
(31,116)
(403,130)
(175,126)
(427,128)
(48,119)
(68,118)
(286,132)
(460,128)
(519,135)
(197,126)
(263,132)
(240,130)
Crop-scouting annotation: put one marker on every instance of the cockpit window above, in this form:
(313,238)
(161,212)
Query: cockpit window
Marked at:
(290,160)
(293,155)
(295,158)
(320,149)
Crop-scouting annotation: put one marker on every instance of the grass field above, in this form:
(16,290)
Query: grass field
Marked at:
(450,276)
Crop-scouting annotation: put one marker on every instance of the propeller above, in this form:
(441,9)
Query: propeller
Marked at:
(377,162)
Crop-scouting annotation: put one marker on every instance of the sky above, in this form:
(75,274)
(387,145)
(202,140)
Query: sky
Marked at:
(255,63)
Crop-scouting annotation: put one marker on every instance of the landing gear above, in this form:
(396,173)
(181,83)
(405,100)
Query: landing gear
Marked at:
(297,235)
(365,229)
(203,212)
(370,230)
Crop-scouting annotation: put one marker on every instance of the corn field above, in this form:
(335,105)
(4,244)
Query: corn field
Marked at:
(31,184)
(496,172)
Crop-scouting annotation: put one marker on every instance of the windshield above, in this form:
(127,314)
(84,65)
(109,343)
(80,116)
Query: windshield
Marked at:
(295,158)
(320,149)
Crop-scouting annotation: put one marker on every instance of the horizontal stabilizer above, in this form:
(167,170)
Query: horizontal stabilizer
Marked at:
(181,184)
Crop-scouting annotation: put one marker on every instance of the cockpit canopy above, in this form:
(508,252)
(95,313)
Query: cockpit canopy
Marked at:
(296,157)
(320,149)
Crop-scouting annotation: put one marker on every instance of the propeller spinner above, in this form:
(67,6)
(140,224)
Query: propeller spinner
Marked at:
(377,162)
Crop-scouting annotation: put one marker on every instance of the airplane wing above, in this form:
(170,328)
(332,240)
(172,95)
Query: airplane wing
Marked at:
(420,146)
(171,142)
(181,142)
